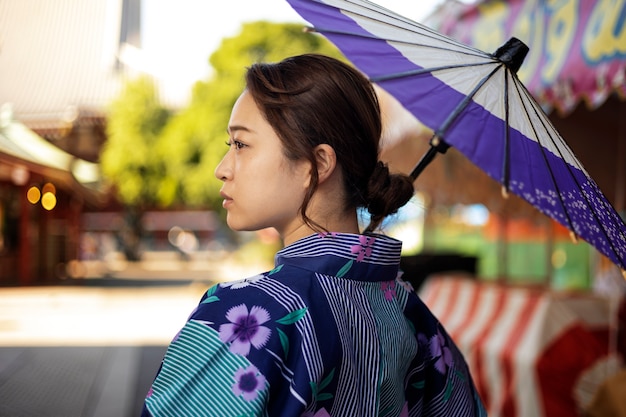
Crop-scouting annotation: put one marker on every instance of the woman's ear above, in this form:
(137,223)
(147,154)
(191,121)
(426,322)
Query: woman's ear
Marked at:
(326,160)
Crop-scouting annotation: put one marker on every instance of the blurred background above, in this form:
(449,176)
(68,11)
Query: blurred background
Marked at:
(112,120)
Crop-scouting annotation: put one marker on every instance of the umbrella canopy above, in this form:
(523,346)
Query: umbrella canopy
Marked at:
(446,180)
(473,101)
(575,70)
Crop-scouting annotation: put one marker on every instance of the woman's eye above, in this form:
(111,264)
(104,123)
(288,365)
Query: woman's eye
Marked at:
(236,144)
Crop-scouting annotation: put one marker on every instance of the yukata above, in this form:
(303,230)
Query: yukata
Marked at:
(332,330)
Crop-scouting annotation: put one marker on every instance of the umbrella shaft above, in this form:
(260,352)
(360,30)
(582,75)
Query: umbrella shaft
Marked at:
(436,146)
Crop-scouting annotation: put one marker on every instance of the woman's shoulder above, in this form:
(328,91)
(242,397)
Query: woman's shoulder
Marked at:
(276,290)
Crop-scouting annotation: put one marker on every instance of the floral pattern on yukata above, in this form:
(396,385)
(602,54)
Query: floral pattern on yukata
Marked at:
(248,383)
(245,329)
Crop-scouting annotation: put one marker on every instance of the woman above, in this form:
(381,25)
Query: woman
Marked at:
(332,330)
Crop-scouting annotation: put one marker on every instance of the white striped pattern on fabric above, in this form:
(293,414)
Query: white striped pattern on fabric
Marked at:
(398,348)
(187,365)
(360,349)
(290,300)
(288,375)
(386,251)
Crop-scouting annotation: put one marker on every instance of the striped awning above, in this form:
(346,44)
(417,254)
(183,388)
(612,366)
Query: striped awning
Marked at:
(532,352)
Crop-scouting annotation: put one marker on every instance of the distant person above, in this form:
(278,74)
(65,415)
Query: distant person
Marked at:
(332,330)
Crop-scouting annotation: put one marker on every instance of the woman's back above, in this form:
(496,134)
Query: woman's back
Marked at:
(326,331)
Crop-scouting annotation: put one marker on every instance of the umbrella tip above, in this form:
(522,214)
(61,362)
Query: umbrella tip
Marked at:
(573,236)
(624,273)
(505,192)
(512,54)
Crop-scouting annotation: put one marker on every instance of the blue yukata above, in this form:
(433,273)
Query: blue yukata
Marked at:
(332,330)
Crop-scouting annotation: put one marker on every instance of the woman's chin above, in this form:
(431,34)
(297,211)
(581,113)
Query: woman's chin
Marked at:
(239,226)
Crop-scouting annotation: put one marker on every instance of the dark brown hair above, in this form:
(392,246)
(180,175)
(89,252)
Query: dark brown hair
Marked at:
(314,99)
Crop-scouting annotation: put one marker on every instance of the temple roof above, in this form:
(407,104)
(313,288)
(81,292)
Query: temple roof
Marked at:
(59,57)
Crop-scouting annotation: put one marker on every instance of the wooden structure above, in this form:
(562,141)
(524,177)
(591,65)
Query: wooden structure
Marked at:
(43,191)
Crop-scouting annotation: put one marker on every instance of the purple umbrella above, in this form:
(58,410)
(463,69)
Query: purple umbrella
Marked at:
(473,101)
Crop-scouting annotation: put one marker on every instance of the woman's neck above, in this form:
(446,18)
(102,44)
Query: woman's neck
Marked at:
(347,223)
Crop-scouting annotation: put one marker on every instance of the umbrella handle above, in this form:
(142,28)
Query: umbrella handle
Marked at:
(437,145)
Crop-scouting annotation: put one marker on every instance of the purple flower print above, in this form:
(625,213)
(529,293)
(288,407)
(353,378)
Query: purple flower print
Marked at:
(389,289)
(441,352)
(404,284)
(248,382)
(245,329)
(364,248)
(405,410)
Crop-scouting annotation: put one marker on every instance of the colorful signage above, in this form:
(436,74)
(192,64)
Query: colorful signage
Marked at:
(577,47)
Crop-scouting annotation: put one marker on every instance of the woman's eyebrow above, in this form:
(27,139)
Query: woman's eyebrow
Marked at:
(236,128)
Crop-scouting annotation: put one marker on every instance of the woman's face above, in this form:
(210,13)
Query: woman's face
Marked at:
(262,188)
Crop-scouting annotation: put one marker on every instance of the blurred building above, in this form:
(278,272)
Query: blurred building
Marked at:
(43,191)
(60,65)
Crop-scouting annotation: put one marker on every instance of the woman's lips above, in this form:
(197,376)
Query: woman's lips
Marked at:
(227,199)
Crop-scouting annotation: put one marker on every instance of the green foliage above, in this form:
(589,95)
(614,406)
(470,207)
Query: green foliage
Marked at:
(135,122)
(156,159)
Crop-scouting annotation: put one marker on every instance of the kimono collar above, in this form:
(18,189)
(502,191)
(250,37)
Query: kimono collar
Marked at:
(343,255)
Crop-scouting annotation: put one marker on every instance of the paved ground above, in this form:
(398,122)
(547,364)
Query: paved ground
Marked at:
(76,381)
(89,350)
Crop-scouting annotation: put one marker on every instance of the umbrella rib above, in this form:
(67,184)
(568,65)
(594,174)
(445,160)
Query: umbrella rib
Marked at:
(422,29)
(441,131)
(524,93)
(507,148)
(542,149)
(421,71)
(465,51)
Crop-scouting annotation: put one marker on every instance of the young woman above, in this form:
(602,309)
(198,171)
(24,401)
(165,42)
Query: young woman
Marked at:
(332,330)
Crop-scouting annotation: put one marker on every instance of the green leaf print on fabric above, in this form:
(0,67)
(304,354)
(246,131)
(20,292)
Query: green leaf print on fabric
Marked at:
(210,298)
(411,326)
(419,384)
(344,269)
(448,392)
(315,388)
(288,319)
(284,341)
(275,270)
(292,317)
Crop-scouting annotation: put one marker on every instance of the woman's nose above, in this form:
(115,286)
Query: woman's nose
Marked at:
(223,170)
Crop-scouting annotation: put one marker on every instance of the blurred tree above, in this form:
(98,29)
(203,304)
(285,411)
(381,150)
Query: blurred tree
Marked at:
(135,121)
(128,161)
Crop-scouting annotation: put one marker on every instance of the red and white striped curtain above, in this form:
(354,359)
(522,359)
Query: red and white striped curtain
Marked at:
(532,352)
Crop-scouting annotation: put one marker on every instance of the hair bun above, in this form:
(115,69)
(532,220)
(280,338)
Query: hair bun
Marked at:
(386,193)
(380,177)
